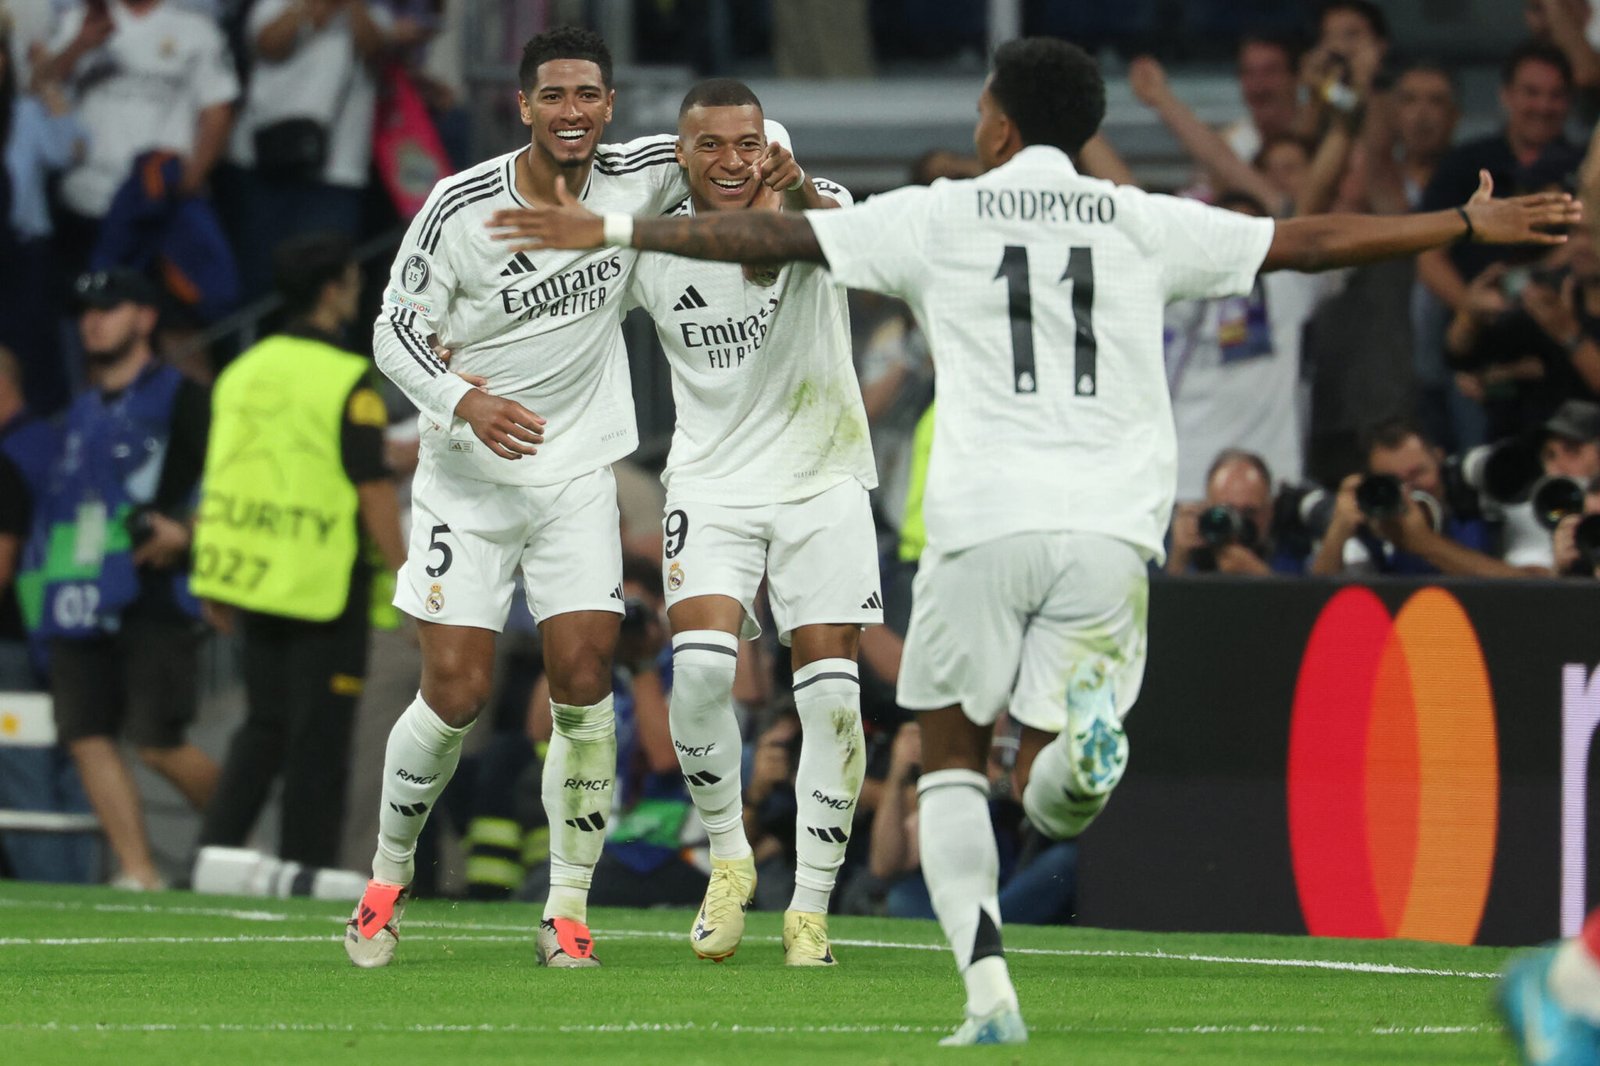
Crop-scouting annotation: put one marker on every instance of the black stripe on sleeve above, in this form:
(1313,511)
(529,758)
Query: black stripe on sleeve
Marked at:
(638,153)
(445,199)
(433,241)
(414,346)
(669,161)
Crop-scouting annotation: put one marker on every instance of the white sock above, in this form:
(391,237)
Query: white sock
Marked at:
(1575,980)
(705,734)
(833,760)
(578,773)
(419,761)
(962,868)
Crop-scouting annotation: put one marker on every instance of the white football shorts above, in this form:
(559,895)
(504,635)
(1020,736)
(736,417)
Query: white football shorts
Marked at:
(469,538)
(1028,622)
(819,554)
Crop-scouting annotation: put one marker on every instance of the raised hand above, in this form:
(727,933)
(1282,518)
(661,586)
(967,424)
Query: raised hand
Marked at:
(568,224)
(1148,80)
(777,169)
(1520,219)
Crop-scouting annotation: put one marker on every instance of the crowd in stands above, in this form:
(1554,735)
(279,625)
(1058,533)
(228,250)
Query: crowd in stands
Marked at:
(1436,417)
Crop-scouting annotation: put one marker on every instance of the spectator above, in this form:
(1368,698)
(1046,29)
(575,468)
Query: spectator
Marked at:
(771,760)
(1529,153)
(1270,92)
(1288,177)
(296,429)
(304,136)
(144,74)
(32,779)
(1562,25)
(1422,528)
(1232,530)
(38,137)
(1525,337)
(1407,133)
(1234,372)
(114,605)
(1571,444)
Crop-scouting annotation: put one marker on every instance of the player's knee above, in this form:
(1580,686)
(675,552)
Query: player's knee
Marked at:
(457,691)
(579,675)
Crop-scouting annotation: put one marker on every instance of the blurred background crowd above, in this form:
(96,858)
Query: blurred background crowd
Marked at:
(185,177)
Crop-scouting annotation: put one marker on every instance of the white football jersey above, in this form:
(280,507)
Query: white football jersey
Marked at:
(543,327)
(768,407)
(1041,293)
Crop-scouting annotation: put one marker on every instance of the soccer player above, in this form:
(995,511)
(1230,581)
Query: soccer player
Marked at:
(1551,1000)
(501,489)
(1052,473)
(769,471)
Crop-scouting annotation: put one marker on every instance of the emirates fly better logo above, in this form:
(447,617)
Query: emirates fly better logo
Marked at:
(1393,771)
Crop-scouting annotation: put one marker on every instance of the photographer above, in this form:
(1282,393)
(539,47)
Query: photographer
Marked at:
(1231,532)
(1398,517)
(105,572)
(1575,541)
(1523,340)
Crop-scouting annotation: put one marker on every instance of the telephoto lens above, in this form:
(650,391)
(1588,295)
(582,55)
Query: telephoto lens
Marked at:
(1587,538)
(1222,525)
(1554,498)
(1380,497)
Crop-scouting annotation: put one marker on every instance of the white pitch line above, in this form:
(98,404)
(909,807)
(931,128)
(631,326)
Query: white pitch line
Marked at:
(737,1029)
(1093,953)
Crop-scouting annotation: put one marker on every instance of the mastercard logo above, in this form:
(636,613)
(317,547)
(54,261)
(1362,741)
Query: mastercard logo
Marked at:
(1393,771)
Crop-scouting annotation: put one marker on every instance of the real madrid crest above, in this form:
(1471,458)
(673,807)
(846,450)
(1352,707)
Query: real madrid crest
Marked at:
(675,578)
(435,600)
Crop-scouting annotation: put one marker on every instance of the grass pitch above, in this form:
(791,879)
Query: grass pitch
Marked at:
(94,975)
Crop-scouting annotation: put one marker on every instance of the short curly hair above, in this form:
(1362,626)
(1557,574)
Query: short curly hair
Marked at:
(1051,91)
(563,42)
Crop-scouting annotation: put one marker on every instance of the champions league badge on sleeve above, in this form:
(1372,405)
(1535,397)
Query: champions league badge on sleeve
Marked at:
(415,274)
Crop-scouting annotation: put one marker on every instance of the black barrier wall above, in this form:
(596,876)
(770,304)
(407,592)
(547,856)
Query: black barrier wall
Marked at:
(1419,802)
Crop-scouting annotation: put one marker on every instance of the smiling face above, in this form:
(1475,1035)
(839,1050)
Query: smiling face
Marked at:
(1536,100)
(718,148)
(567,108)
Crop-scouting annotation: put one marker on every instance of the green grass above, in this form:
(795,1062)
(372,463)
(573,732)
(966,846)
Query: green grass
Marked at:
(177,978)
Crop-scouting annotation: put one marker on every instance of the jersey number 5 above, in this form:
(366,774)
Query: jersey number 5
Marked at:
(1079,271)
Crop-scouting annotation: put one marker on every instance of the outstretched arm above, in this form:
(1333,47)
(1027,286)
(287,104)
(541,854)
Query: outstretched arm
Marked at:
(1323,242)
(731,236)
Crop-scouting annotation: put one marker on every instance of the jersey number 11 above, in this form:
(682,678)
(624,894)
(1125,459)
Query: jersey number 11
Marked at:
(1079,271)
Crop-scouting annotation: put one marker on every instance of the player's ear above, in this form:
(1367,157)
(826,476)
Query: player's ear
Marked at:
(611,102)
(525,108)
(678,152)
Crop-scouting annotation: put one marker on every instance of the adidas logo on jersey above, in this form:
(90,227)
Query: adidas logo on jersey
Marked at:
(520,264)
(874,602)
(689,301)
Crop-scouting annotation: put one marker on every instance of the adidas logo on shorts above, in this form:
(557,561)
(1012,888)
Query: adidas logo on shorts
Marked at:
(874,603)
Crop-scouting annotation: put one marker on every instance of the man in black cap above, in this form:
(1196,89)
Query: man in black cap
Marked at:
(104,580)
(1571,446)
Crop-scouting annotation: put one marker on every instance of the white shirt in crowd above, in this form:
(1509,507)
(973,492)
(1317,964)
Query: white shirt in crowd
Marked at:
(322,79)
(1041,292)
(542,326)
(1233,367)
(768,408)
(143,89)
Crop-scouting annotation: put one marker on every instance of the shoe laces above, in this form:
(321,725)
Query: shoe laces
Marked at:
(726,905)
(811,936)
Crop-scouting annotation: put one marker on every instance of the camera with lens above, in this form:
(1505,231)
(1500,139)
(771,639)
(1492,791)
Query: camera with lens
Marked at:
(1555,498)
(1587,539)
(1382,498)
(141,527)
(1222,525)
(636,615)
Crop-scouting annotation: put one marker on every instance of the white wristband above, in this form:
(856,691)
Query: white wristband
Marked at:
(619,229)
(801,180)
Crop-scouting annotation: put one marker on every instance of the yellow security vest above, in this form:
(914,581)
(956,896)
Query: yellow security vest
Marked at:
(276,528)
(913,533)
